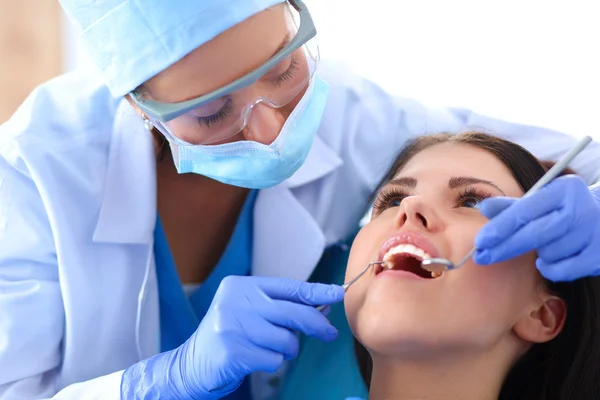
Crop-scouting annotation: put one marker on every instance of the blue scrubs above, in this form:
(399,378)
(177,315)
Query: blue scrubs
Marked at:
(327,371)
(180,316)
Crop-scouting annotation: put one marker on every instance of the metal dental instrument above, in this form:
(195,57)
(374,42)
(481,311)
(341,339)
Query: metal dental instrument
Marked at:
(345,286)
(442,264)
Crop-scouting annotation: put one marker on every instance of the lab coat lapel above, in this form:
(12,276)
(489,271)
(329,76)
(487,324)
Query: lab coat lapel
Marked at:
(128,212)
(288,242)
(128,217)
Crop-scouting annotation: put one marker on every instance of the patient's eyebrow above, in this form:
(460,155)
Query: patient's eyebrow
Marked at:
(404,181)
(460,181)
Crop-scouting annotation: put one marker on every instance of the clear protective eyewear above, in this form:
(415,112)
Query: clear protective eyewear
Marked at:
(225,112)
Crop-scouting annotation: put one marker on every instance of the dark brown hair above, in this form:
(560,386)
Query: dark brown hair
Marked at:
(568,367)
(161,146)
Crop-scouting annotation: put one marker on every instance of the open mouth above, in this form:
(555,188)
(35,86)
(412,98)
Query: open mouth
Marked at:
(407,257)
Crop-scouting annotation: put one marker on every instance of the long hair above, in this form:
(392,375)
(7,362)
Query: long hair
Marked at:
(567,367)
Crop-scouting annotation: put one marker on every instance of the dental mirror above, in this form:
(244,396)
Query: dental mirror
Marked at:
(442,264)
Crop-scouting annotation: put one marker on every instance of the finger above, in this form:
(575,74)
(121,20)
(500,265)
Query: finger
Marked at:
(519,214)
(301,292)
(298,317)
(280,340)
(568,245)
(326,310)
(570,268)
(493,206)
(255,358)
(561,271)
(532,236)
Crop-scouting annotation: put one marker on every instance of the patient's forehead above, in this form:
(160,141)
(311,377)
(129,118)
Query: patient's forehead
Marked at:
(437,164)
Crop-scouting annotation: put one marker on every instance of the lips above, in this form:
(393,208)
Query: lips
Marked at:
(403,253)
(413,238)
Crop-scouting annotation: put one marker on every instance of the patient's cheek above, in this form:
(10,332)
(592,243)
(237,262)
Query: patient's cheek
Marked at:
(352,306)
(355,295)
(356,305)
(354,299)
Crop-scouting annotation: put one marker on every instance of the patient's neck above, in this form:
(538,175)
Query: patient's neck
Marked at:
(474,377)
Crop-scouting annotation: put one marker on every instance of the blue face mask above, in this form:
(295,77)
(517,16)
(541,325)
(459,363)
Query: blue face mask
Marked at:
(254,165)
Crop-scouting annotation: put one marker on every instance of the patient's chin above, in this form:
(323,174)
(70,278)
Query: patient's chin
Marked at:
(405,348)
(393,337)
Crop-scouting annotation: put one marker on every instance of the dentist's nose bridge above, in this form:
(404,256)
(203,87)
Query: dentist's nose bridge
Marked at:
(417,210)
(263,123)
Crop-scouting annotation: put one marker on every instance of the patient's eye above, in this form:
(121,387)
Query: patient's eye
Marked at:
(388,197)
(471,202)
(471,197)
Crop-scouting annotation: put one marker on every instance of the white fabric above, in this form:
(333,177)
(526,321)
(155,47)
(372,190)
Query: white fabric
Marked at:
(190,288)
(78,291)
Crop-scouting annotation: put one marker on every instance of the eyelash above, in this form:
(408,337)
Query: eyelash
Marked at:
(387,195)
(288,74)
(218,116)
(228,107)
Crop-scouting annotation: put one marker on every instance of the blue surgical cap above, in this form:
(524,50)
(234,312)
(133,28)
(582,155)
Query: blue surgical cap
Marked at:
(130,41)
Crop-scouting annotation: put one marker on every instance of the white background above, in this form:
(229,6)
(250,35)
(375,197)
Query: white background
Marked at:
(528,61)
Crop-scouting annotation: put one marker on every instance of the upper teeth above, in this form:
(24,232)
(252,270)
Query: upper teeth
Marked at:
(413,250)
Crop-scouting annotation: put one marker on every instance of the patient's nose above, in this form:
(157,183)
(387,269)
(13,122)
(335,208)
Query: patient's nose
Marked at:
(415,212)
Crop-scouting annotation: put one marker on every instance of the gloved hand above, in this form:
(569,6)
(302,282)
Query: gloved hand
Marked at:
(561,222)
(251,326)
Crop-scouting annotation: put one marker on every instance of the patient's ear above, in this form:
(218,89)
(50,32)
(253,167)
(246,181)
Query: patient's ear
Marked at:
(544,321)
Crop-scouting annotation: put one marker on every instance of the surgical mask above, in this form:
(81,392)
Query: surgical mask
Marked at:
(254,165)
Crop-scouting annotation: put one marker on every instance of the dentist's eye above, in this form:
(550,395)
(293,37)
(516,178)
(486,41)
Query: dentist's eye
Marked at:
(218,116)
(388,197)
(288,74)
(471,198)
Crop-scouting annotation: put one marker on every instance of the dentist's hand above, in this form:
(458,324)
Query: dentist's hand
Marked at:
(251,326)
(561,223)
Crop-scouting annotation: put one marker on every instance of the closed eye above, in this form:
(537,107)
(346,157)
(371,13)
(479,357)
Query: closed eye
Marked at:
(217,117)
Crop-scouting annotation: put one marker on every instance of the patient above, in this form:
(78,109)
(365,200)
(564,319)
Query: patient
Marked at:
(477,333)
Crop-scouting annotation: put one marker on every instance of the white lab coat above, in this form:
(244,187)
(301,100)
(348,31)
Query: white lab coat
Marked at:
(78,290)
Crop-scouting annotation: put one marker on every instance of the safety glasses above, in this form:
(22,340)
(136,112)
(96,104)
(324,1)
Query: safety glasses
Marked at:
(225,112)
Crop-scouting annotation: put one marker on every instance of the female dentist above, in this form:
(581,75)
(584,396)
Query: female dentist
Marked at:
(102,222)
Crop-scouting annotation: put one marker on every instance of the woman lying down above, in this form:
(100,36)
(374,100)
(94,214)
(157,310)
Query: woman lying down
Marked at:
(476,333)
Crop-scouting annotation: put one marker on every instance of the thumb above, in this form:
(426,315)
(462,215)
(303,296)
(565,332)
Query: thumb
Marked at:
(495,205)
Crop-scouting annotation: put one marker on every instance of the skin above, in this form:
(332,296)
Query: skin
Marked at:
(199,214)
(456,336)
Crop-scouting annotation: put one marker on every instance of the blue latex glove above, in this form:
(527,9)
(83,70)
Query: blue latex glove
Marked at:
(251,326)
(561,222)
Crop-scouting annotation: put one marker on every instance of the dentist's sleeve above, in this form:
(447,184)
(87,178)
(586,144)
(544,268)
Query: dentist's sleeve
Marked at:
(31,306)
(545,144)
(381,123)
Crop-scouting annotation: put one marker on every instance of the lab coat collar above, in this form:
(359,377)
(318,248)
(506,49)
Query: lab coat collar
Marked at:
(321,161)
(288,242)
(128,211)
